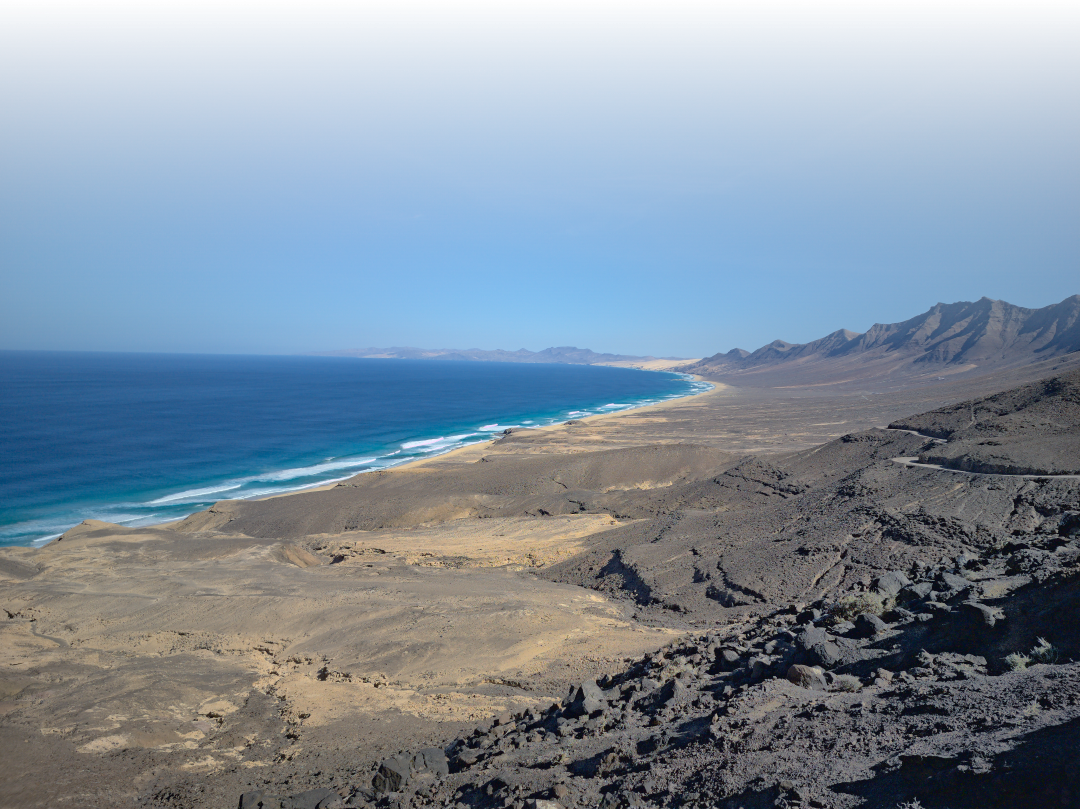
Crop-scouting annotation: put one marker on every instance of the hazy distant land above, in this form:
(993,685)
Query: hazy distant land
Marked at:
(562,354)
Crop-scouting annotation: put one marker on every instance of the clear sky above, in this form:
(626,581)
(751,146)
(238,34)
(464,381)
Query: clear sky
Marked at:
(668,178)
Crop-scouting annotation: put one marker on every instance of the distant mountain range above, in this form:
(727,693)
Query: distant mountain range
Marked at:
(949,339)
(562,354)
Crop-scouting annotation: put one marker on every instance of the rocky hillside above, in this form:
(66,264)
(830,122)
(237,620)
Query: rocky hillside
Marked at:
(983,336)
(1032,430)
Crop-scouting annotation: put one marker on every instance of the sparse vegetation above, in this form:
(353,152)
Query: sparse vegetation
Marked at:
(1045,652)
(1042,652)
(846,682)
(850,607)
(1017,661)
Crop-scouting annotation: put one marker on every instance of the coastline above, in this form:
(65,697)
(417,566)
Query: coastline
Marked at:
(380,460)
(249,473)
(473,451)
(464,454)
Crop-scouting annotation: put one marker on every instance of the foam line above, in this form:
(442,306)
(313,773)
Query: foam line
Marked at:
(434,443)
(194,493)
(311,471)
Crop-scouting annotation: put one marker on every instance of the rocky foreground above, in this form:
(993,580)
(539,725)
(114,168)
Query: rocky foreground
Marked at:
(948,680)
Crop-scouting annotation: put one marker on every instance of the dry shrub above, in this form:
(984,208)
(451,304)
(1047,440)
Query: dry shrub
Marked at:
(1044,651)
(846,682)
(851,607)
(1017,661)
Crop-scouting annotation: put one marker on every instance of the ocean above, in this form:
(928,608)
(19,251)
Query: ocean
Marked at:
(138,439)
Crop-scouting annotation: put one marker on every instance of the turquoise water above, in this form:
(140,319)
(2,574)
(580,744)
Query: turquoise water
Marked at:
(138,439)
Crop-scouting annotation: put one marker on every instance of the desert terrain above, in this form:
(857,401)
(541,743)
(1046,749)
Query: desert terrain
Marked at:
(744,598)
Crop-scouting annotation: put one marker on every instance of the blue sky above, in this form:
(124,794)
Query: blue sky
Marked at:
(672,178)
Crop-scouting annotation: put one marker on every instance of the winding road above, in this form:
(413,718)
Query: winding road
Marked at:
(914,461)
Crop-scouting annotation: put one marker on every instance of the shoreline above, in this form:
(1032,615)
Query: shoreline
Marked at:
(458,452)
(438,456)
(590,419)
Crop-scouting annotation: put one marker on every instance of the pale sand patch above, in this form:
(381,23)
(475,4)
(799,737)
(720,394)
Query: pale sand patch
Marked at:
(104,744)
(522,542)
(651,365)
(158,636)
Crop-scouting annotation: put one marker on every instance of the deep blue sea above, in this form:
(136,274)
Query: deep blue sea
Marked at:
(137,439)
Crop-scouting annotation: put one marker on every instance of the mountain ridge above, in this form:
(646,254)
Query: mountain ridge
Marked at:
(949,338)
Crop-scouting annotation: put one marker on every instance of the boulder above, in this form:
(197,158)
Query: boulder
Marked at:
(965,560)
(679,693)
(810,637)
(981,614)
(1028,561)
(672,693)
(915,592)
(431,760)
(825,654)
(729,659)
(465,758)
(953,584)
(586,700)
(807,677)
(758,667)
(392,775)
(890,584)
(868,625)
